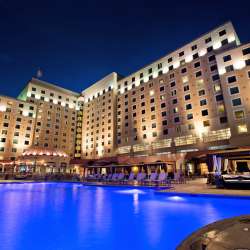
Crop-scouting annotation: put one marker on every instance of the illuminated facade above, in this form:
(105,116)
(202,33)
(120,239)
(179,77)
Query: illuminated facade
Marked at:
(195,98)
(17,122)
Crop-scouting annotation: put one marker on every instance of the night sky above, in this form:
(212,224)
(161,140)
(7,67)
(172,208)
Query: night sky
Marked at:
(76,43)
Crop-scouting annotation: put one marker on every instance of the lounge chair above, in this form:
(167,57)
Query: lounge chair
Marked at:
(140,177)
(151,179)
(131,178)
(162,179)
(108,178)
(120,177)
(114,177)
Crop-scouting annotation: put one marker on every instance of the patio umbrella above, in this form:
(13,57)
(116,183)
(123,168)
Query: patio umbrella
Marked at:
(226,165)
(214,163)
(219,165)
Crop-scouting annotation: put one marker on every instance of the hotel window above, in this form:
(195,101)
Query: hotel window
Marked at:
(144,136)
(219,98)
(224,42)
(242,128)
(142,96)
(222,33)
(150,70)
(223,119)
(184,70)
(154,134)
(207,40)
(162,88)
(165,131)
(248,74)
(215,77)
(164,122)
(206,123)
(172,84)
(175,110)
(174,101)
(164,113)
(203,102)
(211,58)
(133,79)
(152,109)
(142,104)
(170,59)
(181,54)
(247,62)
(195,56)
(171,76)
(171,67)
(159,65)
(176,119)
(217,87)
(143,112)
(163,105)
(188,106)
(231,79)
(187,97)
(213,68)
(201,92)
(194,47)
(229,68)
(186,87)
(33,89)
(153,125)
(204,112)
(239,114)
(189,116)
(197,64)
(150,77)
(173,93)
(234,90)
(227,58)
(198,74)
(209,49)
(246,51)
(236,102)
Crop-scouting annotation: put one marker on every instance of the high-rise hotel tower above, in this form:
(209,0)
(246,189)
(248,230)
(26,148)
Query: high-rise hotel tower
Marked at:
(194,98)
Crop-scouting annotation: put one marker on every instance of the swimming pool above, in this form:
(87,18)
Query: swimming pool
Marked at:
(60,216)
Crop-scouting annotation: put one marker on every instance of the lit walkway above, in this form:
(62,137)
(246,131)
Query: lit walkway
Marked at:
(199,186)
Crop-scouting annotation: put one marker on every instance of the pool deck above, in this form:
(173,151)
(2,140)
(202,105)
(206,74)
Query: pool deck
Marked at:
(199,187)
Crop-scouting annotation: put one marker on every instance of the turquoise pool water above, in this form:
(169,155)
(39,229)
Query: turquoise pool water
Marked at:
(64,216)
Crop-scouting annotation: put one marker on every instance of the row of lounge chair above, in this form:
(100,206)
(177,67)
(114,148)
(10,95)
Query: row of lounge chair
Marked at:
(140,178)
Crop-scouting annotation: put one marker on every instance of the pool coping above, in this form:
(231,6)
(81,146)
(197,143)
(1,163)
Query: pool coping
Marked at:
(157,189)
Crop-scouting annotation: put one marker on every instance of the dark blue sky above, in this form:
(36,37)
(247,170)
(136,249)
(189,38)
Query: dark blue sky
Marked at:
(76,43)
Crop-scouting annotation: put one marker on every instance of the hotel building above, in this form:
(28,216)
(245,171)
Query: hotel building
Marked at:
(194,99)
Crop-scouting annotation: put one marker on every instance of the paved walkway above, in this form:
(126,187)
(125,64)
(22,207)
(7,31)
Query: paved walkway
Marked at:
(199,186)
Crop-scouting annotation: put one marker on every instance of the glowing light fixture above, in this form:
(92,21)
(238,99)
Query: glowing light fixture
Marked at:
(231,38)
(189,59)
(222,71)
(217,45)
(202,52)
(239,64)
(2,108)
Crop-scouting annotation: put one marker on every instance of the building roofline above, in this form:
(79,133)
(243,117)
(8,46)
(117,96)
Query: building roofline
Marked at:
(16,99)
(172,51)
(52,86)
